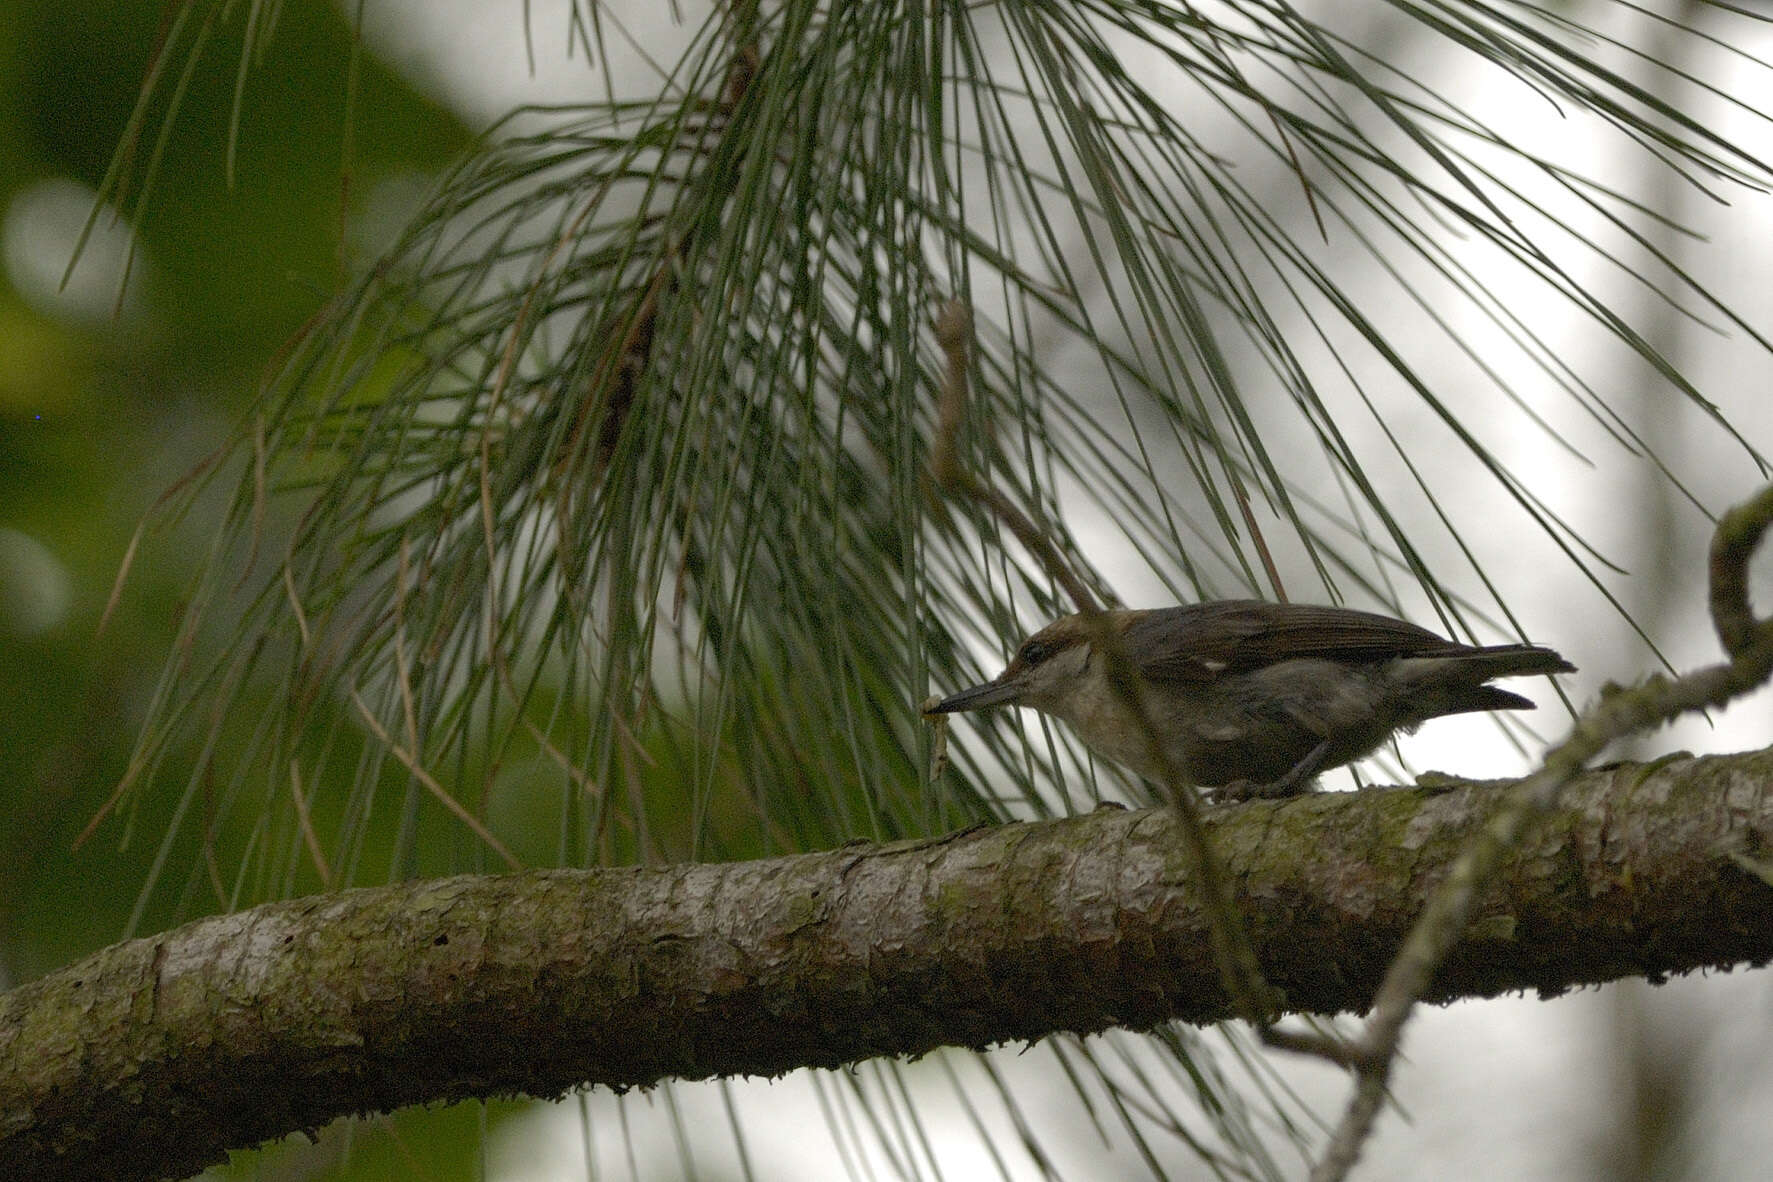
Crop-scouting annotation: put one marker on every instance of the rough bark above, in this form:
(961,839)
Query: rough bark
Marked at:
(151,1058)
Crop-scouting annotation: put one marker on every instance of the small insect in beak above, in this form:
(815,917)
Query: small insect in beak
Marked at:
(993,693)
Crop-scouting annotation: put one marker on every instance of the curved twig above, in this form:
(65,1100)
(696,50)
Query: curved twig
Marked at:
(1621,711)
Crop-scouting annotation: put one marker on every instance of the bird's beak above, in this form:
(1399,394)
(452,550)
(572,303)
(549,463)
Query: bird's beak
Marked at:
(992,693)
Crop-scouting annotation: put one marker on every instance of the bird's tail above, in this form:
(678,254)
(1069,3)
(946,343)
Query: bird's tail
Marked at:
(1454,683)
(1514,660)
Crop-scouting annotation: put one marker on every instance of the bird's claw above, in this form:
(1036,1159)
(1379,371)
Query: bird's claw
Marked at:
(1240,790)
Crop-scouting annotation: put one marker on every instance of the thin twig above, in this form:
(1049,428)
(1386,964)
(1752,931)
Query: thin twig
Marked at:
(411,761)
(309,838)
(1621,711)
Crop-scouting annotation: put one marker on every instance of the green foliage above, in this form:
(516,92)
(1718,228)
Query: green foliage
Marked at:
(98,416)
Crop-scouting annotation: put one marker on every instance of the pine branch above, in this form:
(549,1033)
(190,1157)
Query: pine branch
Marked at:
(153,1057)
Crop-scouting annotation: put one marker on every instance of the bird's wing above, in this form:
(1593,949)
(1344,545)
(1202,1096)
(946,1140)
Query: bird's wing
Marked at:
(1199,642)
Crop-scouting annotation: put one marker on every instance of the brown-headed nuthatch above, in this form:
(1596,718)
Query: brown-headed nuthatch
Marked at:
(1255,698)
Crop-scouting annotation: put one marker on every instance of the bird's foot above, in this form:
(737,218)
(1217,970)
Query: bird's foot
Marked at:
(1260,790)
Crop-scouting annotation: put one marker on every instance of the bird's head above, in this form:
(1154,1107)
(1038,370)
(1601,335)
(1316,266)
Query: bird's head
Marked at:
(1047,670)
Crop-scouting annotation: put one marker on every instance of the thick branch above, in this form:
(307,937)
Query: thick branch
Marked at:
(153,1057)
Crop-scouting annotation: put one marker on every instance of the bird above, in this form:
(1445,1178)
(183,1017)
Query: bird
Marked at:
(1252,698)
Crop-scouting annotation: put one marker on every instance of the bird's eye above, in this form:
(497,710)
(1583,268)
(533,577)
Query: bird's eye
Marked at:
(1034,652)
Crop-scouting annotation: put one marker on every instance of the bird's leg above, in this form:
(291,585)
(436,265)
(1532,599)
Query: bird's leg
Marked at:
(1291,784)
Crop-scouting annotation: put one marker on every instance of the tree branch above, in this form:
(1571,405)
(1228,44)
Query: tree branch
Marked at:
(153,1057)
